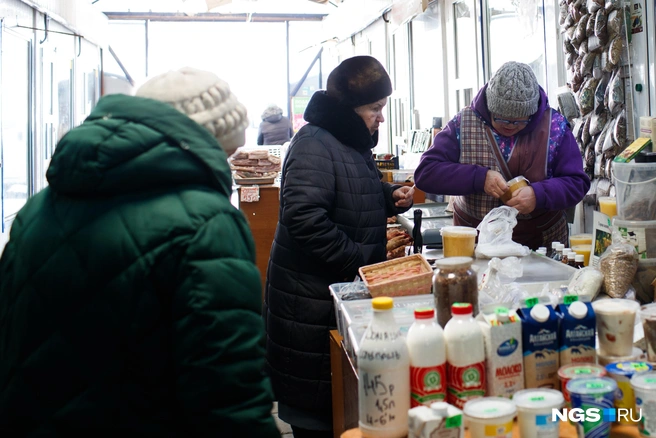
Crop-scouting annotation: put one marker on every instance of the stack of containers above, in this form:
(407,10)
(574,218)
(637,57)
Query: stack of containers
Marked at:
(635,184)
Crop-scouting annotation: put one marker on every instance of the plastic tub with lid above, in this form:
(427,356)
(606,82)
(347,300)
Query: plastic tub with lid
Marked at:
(490,417)
(458,241)
(641,234)
(635,188)
(534,408)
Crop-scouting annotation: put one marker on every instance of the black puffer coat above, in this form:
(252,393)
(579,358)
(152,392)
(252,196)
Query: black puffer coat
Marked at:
(332,220)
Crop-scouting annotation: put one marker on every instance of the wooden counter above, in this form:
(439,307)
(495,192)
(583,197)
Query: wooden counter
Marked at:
(345,399)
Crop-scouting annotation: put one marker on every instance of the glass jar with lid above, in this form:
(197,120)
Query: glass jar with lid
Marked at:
(454,281)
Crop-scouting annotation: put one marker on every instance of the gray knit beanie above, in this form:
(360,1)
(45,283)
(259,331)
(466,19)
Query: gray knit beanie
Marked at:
(513,91)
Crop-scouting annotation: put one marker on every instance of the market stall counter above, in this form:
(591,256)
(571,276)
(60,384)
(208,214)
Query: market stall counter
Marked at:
(345,399)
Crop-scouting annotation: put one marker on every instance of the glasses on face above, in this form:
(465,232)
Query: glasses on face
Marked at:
(512,122)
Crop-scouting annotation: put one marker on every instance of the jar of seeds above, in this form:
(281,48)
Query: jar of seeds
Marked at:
(454,281)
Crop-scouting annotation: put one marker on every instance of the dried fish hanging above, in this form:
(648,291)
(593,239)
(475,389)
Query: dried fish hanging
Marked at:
(596,54)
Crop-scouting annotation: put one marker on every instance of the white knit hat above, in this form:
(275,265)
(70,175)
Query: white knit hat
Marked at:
(206,99)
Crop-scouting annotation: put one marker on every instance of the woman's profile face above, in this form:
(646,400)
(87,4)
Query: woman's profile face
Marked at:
(372,114)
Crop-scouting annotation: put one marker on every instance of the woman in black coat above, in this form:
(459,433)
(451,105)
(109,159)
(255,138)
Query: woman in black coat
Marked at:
(332,220)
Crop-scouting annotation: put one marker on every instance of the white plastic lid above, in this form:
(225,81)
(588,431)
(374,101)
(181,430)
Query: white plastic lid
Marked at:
(560,246)
(540,398)
(592,386)
(542,248)
(615,306)
(440,408)
(490,407)
(540,313)
(648,311)
(554,245)
(453,262)
(458,231)
(578,310)
(579,257)
(644,381)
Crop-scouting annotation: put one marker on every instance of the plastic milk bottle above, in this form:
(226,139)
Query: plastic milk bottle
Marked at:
(465,356)
(383,375)
(427,359)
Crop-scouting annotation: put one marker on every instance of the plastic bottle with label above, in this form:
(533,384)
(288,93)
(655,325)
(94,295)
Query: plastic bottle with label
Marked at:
(383,375)
(465,356)
(427,359)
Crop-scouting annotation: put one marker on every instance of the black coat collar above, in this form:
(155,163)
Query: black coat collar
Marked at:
(341,121)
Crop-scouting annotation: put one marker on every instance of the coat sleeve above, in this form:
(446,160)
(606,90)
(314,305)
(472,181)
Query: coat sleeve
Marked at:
(568,183)
(217,334)
(309,194)
(260,136)
(440,170)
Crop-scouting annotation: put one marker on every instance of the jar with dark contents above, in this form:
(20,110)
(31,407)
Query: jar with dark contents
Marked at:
(454,281)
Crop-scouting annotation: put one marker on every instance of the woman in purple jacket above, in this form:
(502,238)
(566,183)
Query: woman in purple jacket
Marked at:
(509,130)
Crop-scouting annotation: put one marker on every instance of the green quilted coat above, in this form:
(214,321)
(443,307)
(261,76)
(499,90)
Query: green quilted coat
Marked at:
(129,296)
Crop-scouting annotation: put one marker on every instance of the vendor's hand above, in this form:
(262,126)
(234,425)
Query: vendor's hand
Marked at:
(495,184)
(403,196)
(523,200)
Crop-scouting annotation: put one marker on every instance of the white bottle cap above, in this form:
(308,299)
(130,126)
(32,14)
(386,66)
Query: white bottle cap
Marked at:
(578,309)
(560,246)
(440,408)
(579,258)
(554,245)
(542,248)
(566,249)
(540,313)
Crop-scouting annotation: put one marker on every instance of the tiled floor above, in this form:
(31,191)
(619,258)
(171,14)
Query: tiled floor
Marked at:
(285,429)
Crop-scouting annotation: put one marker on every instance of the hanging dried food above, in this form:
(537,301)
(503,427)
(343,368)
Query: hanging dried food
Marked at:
(603,187)
(562,12)
(579,34)
(570,59)
(583,47)
(619,263)
(614,24)
(597,72)
(599,143)
(616,94)
(600,92)
(568,107)
(587,63)
(577,81)
(568,47)
(615,50)
(608,174)
(585,131)
(594,45)
(601,31)
(569,34)
(597,122)
(598,173)
(569,21)
(595,5)
(619,129)
(586,96)
(590,25)
(589,156)
(612,4)
(609,143)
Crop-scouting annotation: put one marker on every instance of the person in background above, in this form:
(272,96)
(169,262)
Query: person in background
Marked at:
(508,131)
(129,296)
(275,128)
(332,221)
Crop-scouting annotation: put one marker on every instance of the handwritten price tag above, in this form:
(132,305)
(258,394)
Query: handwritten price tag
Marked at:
(250,194)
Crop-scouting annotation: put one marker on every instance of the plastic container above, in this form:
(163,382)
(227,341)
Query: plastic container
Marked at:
(514,185)
(465,355)
(635,188)
(648,318)
(608,205)
(458,241)
(440,420)
(383,375)
(637,355)
(622,372)
(641,234)
(534,408)
(490,417)
(643,280)
(644,389)
(578,371)
(427,350)
(596,392)
(615,325)
(580,239)
(454,281)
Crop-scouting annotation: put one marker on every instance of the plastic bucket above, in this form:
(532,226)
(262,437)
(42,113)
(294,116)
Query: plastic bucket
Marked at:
(458,241)
(534,412)
(490,417)
(641,234)
(596,392)
(644,389)
(643,281)
(635,189)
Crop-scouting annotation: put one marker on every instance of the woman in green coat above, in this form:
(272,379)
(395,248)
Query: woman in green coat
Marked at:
(129,295)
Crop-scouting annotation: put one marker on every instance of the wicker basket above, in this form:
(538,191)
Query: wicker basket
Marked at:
(416,283)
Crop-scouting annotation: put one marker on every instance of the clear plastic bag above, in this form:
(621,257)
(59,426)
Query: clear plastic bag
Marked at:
(619,264)
(495,235)
(586,282)
(498,282)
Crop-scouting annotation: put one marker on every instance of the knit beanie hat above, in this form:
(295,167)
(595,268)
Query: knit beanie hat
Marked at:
(206,99)
(359,81)
(513,91)
(271,110)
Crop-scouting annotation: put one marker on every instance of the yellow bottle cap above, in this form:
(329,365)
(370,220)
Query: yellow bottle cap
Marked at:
(382,303)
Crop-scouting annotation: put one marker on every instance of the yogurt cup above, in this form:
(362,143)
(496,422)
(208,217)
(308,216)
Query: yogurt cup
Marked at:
(458,241)
(644,388)
(648,317)
(490,417)
(637,355)
(615,325)
(578,371)
(622,372)
(534,407)
(595,392)
(514,185)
